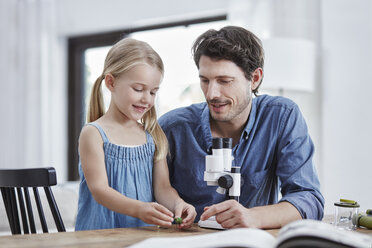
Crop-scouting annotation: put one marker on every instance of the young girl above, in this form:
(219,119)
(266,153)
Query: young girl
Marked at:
(123,161)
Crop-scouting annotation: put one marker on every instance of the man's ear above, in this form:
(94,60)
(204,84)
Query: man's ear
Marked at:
(110,81)
(256,78)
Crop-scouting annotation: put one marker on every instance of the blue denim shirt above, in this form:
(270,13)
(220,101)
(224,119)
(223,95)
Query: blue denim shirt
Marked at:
(274,152)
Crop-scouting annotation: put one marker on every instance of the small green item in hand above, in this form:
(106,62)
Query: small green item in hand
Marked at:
(178,220)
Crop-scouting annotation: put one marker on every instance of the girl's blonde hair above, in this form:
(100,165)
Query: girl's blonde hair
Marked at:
(123,56)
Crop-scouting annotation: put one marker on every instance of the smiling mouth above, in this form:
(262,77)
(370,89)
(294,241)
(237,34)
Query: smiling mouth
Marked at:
(139,108)
(218,107)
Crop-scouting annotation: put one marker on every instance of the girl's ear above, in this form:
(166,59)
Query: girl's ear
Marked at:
(110,81)
(256,78)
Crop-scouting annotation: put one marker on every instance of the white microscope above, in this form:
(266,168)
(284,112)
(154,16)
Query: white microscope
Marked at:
(220,172)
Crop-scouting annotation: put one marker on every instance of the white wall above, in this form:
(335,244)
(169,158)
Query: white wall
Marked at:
(346,107)
(75,18)
(32,90)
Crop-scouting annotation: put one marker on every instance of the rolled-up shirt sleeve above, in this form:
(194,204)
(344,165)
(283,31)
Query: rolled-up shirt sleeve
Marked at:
(296,171)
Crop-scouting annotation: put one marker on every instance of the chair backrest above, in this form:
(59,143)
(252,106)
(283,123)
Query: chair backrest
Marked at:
(18,180)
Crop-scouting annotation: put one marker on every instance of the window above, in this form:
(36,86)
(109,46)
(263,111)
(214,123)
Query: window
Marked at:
(180,86)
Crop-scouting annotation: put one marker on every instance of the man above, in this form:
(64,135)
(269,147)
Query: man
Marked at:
(271,144)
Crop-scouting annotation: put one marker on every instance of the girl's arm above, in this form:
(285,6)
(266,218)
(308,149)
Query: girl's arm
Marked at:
(93,165)
(166,195)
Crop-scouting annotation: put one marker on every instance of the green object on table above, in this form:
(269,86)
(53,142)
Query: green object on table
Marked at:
(369,211)
(348,201)
(178,220)
(362,220)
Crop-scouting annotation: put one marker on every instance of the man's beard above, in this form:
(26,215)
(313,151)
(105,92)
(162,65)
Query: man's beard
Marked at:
(232,113)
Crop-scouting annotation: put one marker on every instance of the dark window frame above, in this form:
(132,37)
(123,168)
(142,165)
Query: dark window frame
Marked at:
(76,47)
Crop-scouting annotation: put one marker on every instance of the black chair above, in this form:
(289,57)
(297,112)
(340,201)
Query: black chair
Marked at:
(12,180)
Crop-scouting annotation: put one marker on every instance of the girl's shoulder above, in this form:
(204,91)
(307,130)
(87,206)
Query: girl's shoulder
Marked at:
(91,133)
(89,129)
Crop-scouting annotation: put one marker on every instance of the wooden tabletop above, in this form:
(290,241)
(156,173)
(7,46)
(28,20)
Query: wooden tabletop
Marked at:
(109,238)
(106,238)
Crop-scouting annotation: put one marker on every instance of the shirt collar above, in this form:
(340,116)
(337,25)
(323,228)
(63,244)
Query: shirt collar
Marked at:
(251,119)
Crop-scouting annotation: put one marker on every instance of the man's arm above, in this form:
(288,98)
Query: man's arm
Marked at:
(295,168)
(231,214)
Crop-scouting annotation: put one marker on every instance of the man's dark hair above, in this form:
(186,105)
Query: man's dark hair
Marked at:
(231,43)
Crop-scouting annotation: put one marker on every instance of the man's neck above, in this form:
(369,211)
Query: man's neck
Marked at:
(232,129)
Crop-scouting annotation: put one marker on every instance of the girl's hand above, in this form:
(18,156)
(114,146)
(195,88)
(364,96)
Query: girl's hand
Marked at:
(186,212)
(156,214)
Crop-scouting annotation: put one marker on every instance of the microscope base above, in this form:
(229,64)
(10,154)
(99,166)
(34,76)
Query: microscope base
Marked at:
(210,223)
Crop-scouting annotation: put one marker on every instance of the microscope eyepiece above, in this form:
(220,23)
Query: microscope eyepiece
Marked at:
(227,143)
(217,143)
(235,169)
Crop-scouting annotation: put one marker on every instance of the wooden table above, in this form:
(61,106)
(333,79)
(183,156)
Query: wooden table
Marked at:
(106,238)
(109,238)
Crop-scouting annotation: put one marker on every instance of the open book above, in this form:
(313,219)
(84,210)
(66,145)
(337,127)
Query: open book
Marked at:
(301,233)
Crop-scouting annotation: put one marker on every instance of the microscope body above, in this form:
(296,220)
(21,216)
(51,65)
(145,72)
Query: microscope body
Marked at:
(219,171)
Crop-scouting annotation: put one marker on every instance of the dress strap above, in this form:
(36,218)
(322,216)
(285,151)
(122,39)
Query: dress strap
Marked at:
(103,134)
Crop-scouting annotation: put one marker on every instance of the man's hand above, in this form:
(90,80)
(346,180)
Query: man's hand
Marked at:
(231,214)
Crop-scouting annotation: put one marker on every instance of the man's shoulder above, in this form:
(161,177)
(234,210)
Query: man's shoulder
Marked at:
(267,101)
(183,115)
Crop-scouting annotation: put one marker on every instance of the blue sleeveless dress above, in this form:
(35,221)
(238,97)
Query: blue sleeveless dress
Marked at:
(129,171)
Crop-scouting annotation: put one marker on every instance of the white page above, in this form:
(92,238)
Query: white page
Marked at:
(240,237)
